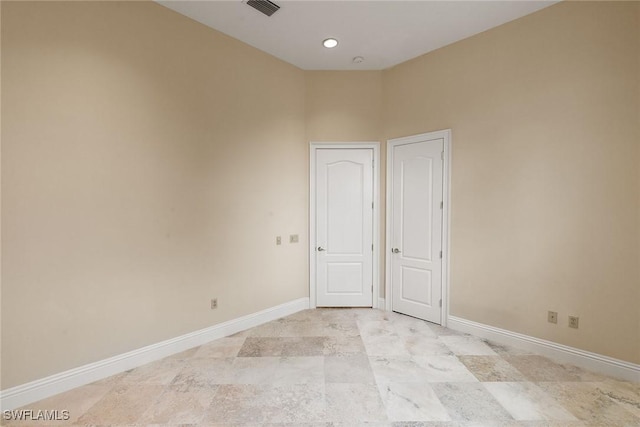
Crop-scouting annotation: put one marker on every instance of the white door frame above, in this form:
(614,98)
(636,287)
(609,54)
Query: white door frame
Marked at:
(446,214)
(314,146)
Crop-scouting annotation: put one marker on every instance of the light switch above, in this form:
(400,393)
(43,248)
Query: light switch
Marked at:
(293,238)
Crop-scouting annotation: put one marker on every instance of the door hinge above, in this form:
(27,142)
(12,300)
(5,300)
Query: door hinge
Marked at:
(372,246)
(440,303)
(442,155)
(441,254)
(371,205)
(442,205)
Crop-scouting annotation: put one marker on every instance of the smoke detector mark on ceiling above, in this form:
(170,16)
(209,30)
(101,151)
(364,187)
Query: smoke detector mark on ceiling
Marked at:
(265,6)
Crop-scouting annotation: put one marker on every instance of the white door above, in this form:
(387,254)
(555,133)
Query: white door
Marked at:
(416,227)
(344,227)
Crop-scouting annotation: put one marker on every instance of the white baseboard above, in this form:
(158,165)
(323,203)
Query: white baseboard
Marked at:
(381,305)
(34,391)
(584,359)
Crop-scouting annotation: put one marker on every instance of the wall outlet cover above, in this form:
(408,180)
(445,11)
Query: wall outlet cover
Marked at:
(574,321)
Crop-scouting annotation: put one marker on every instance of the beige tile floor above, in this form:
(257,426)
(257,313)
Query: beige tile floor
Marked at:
(351,367)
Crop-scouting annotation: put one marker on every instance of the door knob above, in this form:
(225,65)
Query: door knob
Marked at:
(320,249)
(395,250)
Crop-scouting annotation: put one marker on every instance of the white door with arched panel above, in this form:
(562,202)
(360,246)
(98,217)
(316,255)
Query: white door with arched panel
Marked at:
(344,191)
(416,224)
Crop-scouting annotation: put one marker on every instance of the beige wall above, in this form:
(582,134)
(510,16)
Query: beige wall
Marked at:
(0,199)
(638,120)
(544,112)
(148,164)
(343,106)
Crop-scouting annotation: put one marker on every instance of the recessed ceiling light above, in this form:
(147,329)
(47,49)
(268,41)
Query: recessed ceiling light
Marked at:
(330,43)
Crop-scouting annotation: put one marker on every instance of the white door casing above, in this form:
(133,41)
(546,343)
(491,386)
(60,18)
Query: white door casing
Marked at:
(417,262)
(343,226)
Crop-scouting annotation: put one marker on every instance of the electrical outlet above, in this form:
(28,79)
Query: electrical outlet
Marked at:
(552,317)
(278,240)
(573,322)
(214,303)
(293,238)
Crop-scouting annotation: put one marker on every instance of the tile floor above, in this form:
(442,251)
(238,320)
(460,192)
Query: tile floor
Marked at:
(351,367)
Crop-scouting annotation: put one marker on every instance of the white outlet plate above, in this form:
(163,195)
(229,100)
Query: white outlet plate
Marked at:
(293,238)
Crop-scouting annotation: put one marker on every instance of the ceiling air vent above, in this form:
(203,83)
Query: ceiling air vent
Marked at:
(264,6)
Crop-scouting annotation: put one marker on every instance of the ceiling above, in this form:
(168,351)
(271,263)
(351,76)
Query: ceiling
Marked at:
(384,33)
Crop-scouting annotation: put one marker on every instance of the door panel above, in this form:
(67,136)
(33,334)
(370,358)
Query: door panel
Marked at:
(417,196)
(344,278)
(345,192)
(344,227)
(416,285)
(416,234)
